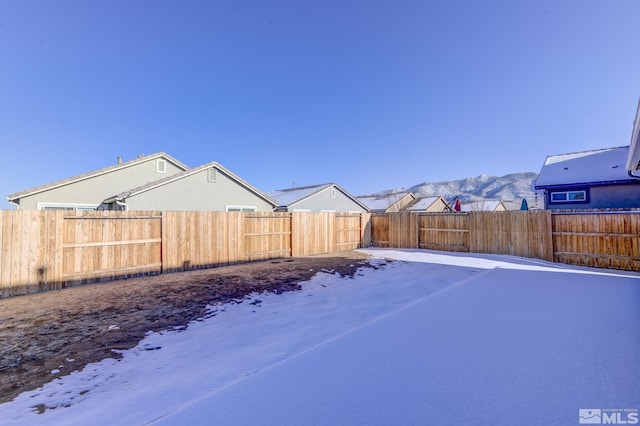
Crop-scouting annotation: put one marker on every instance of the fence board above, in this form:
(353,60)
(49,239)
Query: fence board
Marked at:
(403,230)
(599,239)
(380,230)
(444,231)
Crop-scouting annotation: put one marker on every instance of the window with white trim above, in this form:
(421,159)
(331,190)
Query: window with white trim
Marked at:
(568,196)
(333,192)
(161,166)
(241,208)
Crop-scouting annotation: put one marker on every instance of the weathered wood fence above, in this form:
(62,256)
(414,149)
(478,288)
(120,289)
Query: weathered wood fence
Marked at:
(47,250)
(600,239)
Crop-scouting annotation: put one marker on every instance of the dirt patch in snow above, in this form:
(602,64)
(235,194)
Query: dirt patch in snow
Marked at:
(44,336)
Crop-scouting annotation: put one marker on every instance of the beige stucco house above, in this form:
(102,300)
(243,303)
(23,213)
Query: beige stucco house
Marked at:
(86,191)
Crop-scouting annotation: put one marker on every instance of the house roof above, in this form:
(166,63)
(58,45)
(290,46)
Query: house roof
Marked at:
(633,160)
(481,206)
(290,197)
(424,203)
(160,182)
(600,166)
(94,173)
(382,202)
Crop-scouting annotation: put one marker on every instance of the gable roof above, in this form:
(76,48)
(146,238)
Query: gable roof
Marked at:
(94,173)
(382,202)
(166,180)
(481,206)
(595,167)
(293,196)
(425,202)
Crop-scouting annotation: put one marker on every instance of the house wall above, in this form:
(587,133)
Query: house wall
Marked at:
(401,203)
(438,207)
(602,197)
(92,190)
(324,201)
(196,193)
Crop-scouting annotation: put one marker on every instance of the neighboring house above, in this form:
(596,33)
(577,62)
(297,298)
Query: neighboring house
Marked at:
(606,178)
(430,205)
(318,198)
(210,187)
(86,191)
(483,206)
(391,202)
(595,179)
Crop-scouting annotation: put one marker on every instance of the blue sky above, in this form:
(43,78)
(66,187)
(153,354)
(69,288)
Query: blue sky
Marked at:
(369,94)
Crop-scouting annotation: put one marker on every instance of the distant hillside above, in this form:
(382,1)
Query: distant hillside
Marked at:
(511,189)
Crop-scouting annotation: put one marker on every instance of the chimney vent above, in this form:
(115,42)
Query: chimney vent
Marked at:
(119,160)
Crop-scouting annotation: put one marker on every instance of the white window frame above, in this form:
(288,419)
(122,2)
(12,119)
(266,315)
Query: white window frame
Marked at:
(161,166)
(65,206)
(333,192)
(232,208)
(567,198)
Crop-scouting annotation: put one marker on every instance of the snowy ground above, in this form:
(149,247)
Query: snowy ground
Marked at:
(431,338)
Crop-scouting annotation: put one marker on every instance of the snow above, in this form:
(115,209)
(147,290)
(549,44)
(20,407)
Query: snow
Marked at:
(286,197)
(430,338)
(382,202)
(600,165)
(423,203)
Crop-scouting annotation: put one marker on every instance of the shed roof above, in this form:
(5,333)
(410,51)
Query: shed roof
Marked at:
(166,180)
(94,173)
(599,166)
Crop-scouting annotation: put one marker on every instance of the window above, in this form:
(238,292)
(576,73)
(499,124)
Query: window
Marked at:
(66,206)
(161,166)
(333,192)
(212,175)
(241,208)
(580,196)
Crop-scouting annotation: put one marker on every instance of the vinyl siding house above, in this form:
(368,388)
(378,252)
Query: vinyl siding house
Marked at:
(385,203)
(210,187)
(86,191)
(318,198)
(429,205)
(596,179)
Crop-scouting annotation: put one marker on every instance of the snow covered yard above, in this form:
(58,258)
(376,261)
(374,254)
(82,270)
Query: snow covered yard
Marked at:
(430,338)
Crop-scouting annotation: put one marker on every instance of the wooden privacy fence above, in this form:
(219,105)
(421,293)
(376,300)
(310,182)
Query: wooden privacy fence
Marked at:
(47,250)
(600,239)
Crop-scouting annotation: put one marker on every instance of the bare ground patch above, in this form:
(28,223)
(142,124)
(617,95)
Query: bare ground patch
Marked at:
(62,331)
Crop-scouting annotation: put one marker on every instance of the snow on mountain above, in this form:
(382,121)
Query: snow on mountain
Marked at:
(511,189)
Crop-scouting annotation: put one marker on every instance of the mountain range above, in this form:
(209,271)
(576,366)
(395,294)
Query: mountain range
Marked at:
(510,189)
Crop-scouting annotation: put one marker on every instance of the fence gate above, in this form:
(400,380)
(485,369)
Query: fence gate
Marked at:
(348,231)
(110,245)
(267,235)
